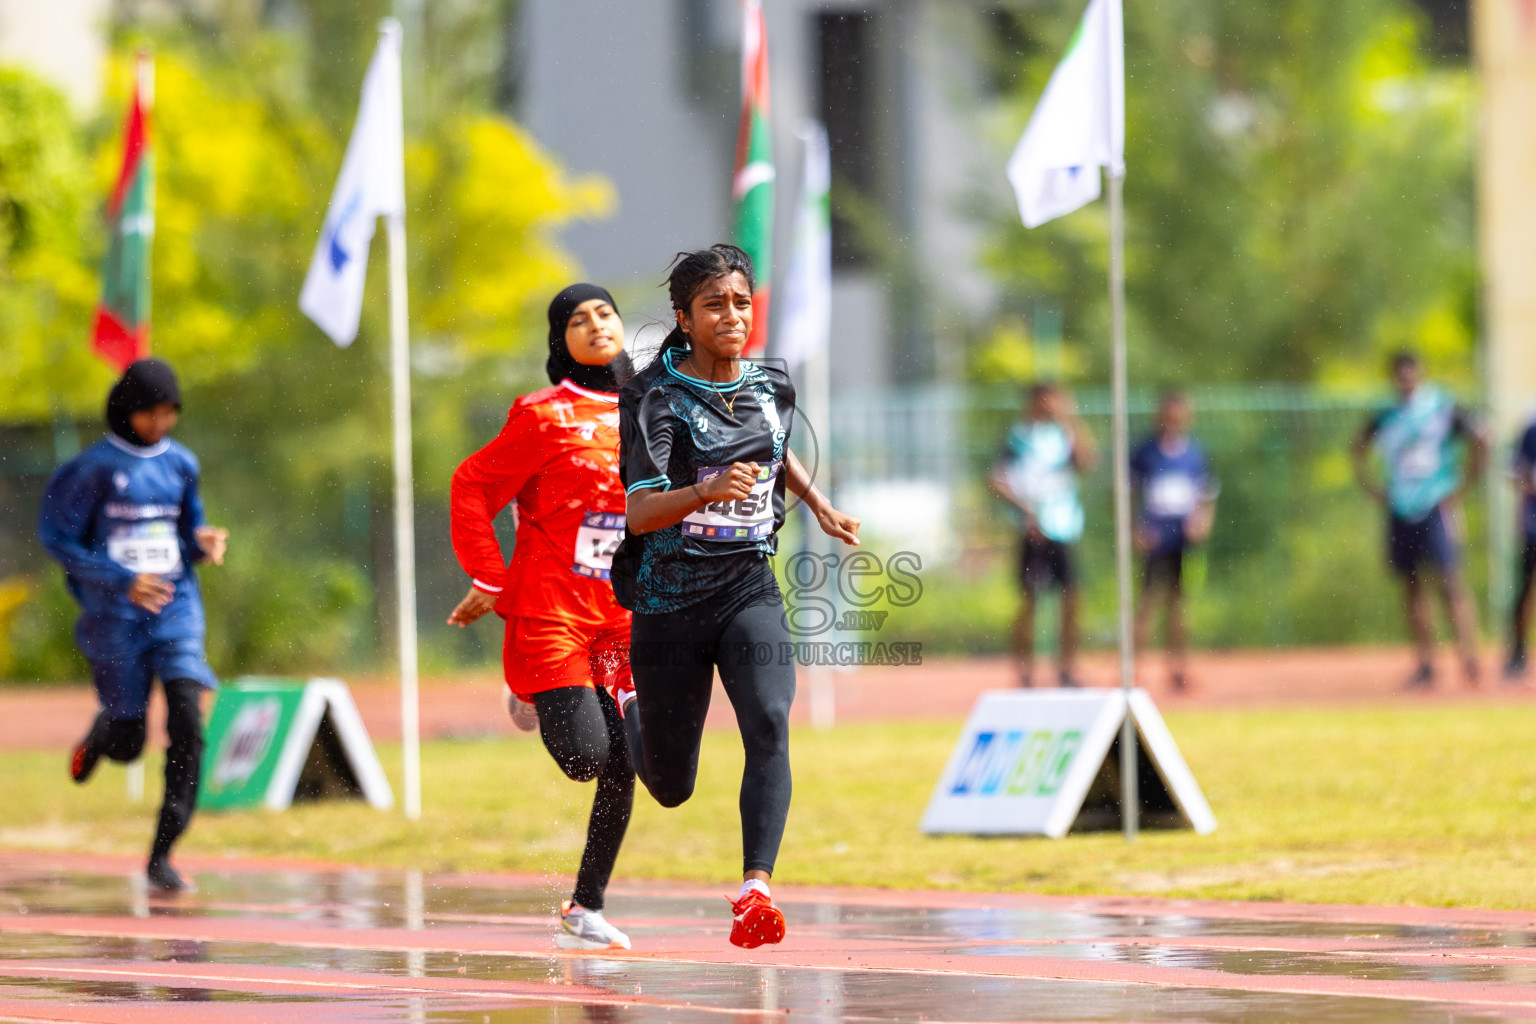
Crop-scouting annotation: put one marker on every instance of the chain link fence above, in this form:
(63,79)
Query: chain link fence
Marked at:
(1297,555)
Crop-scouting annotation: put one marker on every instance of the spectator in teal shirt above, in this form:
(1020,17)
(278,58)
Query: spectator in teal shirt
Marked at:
(1037,473)
(1420,441)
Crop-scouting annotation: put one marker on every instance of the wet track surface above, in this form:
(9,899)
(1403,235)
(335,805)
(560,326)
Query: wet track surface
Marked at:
(81,941)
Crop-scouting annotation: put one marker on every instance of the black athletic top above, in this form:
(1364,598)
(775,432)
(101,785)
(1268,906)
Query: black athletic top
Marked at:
(675,431)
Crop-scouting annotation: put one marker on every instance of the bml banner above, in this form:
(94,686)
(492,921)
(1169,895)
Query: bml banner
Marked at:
(1046,762)
(274,741)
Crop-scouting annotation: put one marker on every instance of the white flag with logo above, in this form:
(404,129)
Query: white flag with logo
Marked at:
(1079,124)
(371,185)
(805,325)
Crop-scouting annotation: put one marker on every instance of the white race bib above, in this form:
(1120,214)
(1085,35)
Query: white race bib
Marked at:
(597,539)
(149,547)
(749,518)
(1171,495)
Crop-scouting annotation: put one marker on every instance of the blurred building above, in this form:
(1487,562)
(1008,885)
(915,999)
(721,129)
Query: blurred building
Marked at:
(64,41)
(647,95)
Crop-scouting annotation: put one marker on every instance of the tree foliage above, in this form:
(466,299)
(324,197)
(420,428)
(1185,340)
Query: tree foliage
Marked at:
(1298,194)
(46,287)
(250,121)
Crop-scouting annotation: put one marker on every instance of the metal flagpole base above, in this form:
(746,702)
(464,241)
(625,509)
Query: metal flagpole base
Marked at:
(1130,799)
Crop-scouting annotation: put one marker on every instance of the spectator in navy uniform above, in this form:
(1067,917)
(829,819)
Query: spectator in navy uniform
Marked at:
(1176,496)
(125,520)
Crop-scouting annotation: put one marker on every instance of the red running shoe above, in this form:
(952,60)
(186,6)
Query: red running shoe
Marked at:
(83,762)
(758,922)
(622,688)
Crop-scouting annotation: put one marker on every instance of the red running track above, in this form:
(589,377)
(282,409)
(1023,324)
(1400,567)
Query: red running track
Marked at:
(80,941)
(472,705)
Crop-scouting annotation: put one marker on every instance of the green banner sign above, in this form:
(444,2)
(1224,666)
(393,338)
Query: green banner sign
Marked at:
(249,720)
(271,741)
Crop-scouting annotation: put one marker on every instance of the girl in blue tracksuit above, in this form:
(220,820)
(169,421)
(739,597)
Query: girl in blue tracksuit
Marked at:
(125,520)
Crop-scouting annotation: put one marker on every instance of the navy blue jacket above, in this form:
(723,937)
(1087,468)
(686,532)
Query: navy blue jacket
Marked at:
(112,512)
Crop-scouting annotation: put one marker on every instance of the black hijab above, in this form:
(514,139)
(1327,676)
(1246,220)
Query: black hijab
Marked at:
(144,385)
(561,366)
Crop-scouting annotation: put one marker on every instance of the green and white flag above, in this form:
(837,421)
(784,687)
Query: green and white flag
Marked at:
(1079,124)
(805,314)
(120,333)
(753,176)
(371,185)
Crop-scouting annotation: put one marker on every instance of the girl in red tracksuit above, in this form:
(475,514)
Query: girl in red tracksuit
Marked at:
(567,639)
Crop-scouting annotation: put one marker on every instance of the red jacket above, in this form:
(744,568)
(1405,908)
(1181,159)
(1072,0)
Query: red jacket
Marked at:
(558,459)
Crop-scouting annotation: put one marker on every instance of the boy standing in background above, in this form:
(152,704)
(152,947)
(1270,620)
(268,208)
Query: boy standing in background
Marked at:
(1420,440)
(1176,494)
(1037,473)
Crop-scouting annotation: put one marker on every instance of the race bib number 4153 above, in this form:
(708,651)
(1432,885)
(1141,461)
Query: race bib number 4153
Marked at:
(749,518)
(597,538)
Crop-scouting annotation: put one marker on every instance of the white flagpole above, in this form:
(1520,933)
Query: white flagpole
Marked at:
(405,516)
(405,505)
(1129,796)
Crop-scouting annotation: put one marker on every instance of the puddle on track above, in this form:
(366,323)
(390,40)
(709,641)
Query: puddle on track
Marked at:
(297,945)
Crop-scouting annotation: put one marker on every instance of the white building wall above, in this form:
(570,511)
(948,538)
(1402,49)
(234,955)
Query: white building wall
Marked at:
(64,41)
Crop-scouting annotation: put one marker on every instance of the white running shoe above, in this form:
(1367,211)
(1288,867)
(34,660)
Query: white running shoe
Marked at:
(524,714)
(587,929)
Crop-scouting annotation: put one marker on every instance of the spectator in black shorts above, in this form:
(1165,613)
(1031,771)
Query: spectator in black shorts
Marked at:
(1431,451)
(1036,472)
(1176,496)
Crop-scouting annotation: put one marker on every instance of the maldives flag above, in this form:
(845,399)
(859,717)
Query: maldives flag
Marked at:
(752,182)
(121,332)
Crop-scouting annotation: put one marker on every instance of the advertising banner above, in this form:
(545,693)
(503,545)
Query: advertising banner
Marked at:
(272,741)
(1038,763)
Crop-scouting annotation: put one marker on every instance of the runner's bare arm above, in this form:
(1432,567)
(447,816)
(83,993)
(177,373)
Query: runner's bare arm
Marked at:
(1477,457)
(214,540)
(1524,478)
(1085,454)
(652,508)
(1001,488)
(475,604)
(833,523)
(151,592)
(1360,455)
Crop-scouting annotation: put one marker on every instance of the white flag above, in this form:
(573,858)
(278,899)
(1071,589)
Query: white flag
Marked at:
(371,185)
(805,325)
(1079,124)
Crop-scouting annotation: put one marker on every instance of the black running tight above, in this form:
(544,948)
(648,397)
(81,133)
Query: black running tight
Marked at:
(122,739)
(674,657)
(583,732)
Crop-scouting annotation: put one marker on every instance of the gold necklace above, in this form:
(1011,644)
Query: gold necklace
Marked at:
(730,406)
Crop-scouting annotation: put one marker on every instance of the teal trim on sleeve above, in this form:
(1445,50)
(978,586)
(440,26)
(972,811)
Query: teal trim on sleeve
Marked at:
(655,481)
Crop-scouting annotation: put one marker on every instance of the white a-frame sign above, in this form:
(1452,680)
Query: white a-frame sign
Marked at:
(273,741)
(1045,763)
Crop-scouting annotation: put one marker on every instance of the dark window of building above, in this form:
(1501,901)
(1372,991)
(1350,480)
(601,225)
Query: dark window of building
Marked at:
(1008,46)
(1449,28)
(711,70)
(846,44)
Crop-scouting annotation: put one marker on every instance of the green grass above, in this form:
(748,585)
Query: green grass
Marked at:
(1412,805)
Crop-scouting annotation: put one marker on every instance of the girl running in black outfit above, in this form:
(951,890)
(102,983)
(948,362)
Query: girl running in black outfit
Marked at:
(704,457)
